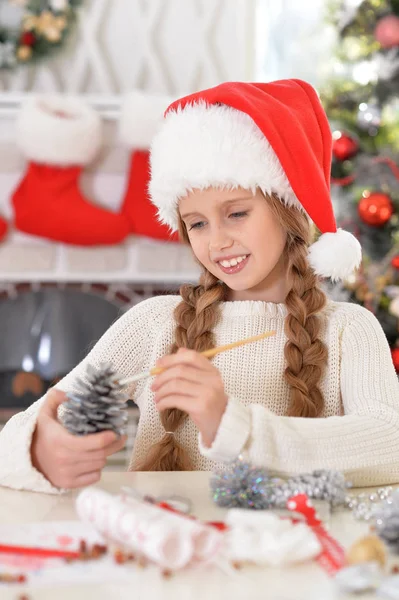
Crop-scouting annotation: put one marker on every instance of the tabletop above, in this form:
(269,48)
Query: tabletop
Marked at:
(305,582)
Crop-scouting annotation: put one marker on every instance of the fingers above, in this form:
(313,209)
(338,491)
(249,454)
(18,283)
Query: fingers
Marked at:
(86,479)
(180,372)
(184,356)
(116,446)
(181,402)
(53,400)
(177,387)
(90,466)
(87,443)
(110,449)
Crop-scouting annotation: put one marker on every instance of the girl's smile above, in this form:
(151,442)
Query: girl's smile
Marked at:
(233,264)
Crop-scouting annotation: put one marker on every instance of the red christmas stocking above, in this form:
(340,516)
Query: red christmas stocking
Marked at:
(3,229)
(141,116)
(59,136)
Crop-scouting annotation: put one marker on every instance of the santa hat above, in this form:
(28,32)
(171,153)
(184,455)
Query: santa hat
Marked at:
(274,136)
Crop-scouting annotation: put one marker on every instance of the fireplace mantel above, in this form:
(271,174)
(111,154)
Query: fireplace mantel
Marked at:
(138,260)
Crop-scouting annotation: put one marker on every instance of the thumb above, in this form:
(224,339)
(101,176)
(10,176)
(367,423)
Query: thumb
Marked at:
(53,400)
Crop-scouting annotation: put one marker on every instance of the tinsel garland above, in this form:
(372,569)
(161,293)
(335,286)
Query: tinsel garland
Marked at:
(387,521)
(243,485)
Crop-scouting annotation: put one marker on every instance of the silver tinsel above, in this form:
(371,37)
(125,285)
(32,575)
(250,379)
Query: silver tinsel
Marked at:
(246,486)
(387,521)
(97,404)
(369,117)
(364,506)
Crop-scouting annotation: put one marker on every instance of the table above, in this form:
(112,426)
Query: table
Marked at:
(306,582)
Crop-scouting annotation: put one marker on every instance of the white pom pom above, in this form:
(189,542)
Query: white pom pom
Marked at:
(335,255)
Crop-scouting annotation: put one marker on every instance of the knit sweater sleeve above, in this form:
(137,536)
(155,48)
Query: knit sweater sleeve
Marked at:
(125,345)
(363,442)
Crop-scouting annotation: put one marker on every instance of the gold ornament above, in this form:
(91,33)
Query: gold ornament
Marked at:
(381,282)
(45,22)
(60,23)
(24,53)
(52,34)
(368,549)
(351,282)
(30,22)
(361,292)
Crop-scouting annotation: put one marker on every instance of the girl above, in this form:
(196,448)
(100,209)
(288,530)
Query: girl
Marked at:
(239,169)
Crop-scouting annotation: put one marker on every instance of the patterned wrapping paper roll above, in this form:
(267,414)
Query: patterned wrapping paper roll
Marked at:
(170,540)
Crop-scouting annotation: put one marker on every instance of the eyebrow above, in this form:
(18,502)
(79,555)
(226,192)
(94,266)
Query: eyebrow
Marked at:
(225,203)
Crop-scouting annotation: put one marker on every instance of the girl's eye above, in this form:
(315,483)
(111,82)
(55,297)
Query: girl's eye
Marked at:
(237,215)
(198,225)
(201,224)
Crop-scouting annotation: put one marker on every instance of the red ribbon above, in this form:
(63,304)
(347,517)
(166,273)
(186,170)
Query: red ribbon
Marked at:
(332,556)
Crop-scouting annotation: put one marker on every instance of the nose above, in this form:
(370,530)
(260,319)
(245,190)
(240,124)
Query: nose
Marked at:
(219,239)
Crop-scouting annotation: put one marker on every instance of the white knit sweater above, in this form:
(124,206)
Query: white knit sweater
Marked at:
(358,432)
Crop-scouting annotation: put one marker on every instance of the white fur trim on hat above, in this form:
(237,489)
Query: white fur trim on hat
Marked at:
(335,255)
(58,130)
(212,145)
(141,118)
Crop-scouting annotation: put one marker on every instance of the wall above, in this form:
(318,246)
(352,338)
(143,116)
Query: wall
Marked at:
(160,46)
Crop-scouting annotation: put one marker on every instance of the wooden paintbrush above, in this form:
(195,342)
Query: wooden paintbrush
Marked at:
(207,353)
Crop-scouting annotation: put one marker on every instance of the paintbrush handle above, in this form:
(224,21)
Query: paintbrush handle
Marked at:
(207,353)
(254,338)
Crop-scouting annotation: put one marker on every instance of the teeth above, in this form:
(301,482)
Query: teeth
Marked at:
(233,262)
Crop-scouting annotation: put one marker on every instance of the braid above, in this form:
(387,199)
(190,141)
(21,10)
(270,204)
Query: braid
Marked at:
(196,316)
(305,353)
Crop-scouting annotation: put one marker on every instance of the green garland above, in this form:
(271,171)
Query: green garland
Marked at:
(44,28)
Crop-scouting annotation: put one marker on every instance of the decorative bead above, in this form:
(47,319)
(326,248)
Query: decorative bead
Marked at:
(367,549)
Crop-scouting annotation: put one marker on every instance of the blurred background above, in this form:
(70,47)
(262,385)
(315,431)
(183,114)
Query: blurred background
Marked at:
(79,246)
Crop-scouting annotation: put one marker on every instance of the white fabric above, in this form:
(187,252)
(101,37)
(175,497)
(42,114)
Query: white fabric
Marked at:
(335,255)
(141,118)
(359,431)
(265,539)
(58,130)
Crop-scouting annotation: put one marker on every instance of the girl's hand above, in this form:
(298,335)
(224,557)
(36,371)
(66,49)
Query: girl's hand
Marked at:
(192,384)
(66,460)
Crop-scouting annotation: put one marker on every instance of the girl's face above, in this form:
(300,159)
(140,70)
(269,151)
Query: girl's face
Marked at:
(237,237)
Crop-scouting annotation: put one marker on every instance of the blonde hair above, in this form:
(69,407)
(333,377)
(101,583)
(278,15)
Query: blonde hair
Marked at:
(305,354)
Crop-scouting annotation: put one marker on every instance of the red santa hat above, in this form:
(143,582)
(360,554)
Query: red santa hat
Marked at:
(273,136)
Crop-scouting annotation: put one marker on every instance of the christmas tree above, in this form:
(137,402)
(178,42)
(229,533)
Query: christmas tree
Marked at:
(362,102)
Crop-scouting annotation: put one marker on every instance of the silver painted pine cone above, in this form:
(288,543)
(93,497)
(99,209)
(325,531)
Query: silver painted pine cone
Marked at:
(96,404)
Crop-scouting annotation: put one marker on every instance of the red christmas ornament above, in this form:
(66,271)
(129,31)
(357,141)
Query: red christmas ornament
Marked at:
(27,39)
(387,31)
(344,146)
(395,262)
(375,209)
(395,358)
